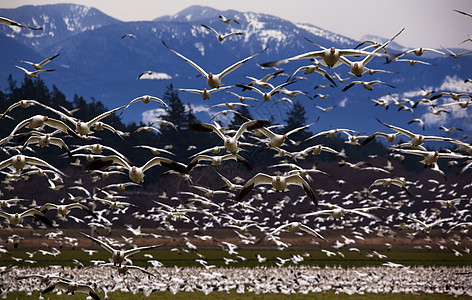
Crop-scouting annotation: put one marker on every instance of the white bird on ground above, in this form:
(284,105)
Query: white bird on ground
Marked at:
(6,21)
(119,256)
(214,80)
(220,36)
(278,182)
(40,65)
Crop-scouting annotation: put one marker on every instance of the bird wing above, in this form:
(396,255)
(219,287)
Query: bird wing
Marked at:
(312,231)
(207,128)
(101,243)
(350,85)
(37,161)
(106,161)
(139,249)
(239,159)
(298,180)
(103,115)
(197,67)
(41,64)
(398,129)
(211,29)
(259,178)
(237,64)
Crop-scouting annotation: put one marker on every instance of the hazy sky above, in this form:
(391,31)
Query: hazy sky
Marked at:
(428,23)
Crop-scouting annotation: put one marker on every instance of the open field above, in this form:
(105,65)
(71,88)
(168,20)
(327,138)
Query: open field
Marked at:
(235,296)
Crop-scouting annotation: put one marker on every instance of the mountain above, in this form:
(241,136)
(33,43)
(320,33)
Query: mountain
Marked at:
(96,62)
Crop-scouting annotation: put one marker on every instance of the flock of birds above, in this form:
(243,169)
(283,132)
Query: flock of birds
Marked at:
(241,205)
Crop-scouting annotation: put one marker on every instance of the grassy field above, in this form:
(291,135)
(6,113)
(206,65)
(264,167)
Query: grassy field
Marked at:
(246,296)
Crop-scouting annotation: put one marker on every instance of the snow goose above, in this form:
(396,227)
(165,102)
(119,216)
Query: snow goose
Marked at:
(218,159)
(431,157)
(40,65)
(278,182)
(276,140)
(400,182)
(19,162)
(6,21)
(240,98)
(231,143)
(70,287)
(33,74)
(220,36)
(263,83)
(16,218)
(311,69)
(338,212)
(227,20)
(119,256)
(214,80)
(63,210)
(135,173)
(144,99)
(266,96)
(205,93)
(368,85)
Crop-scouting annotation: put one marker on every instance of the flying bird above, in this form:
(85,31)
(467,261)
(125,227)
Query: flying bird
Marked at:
(214,80)
(278,182)
(220,36)
(9,22)
(40,65)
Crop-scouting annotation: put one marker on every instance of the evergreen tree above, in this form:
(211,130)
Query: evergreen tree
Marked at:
(190,118)
(296,118)
(175,113)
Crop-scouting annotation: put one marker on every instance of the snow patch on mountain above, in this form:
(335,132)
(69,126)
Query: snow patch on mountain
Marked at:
(325,34)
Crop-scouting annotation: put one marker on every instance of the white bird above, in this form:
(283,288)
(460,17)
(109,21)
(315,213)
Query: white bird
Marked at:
(231,105)
(431,157)
(391,181)
(205,93)
(365,84)
(278,182)
(276,140)
(327,109)
(428,226)
(240,98)
(19,161)
(338,212)
(263,82)
(220,36)
(416,139)
(294,227)
(218,159)
(231,143)
(71,287)
(449,130)
(330,56)
(227,20)
(358,68)
(40,65)
(64,209)
(118,255)
(214,80)
(145,99)
(130,35)
(9,22)
(16,218)
(135,173)
(311,69)
(266,96)
(33,74)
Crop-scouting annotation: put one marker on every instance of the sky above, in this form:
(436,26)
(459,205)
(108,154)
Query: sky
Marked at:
(427,23)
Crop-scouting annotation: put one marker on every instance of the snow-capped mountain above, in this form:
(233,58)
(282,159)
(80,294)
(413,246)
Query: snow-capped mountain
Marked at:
(96,62)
